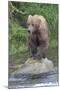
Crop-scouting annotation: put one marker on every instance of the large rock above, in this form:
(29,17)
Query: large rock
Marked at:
(34,73)
(32,66)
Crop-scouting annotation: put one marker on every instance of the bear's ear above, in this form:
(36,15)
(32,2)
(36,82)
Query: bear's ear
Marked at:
(29,16)
(39,21)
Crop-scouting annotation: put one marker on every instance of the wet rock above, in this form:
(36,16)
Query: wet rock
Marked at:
(32,66)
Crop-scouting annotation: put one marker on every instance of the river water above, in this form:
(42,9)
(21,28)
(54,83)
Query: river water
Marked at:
(44,79)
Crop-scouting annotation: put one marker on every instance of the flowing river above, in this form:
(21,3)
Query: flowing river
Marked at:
(43,79)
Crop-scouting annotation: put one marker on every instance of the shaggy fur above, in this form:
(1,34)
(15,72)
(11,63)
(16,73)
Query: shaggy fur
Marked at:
(38,36)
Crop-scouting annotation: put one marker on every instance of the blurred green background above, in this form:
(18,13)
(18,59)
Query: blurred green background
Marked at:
(18,14)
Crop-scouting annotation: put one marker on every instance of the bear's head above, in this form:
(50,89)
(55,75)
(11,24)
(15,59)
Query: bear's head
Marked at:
(33,23)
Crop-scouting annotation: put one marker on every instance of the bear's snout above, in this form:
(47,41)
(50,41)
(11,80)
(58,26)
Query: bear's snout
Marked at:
(28,31)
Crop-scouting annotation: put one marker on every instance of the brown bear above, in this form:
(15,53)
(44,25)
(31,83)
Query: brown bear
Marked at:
(38,36)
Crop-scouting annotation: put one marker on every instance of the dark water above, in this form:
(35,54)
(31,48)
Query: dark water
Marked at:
(44,79)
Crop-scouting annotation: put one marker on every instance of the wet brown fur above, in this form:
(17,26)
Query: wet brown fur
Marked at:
(38,39)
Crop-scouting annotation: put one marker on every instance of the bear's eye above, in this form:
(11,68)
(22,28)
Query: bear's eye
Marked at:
(32,24)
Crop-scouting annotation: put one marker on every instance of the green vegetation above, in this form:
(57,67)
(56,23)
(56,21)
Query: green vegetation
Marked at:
(18,13)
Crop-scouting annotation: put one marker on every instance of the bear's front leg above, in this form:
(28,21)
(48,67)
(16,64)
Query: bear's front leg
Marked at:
(33,51)
(43,49)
